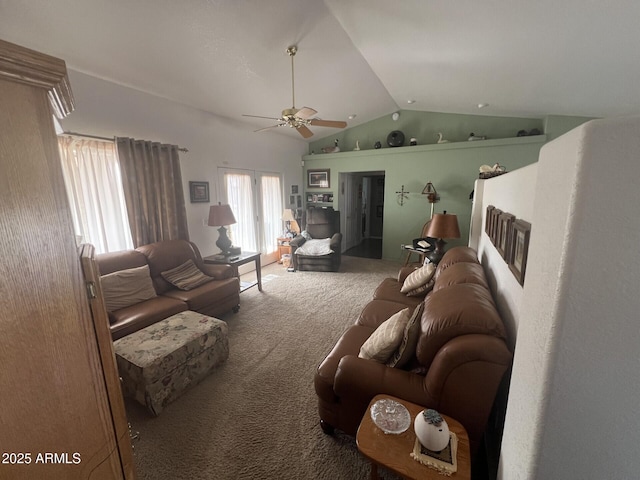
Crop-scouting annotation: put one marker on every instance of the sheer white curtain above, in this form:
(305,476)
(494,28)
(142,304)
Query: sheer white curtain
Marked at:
(94,187)
(256,201)
(238,187)
(271,210)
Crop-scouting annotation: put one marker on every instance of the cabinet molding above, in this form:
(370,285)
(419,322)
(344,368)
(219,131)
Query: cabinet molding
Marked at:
(22,65)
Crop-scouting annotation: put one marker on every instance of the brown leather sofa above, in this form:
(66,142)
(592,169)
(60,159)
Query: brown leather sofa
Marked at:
(459,362)
(213,298)
(319,223)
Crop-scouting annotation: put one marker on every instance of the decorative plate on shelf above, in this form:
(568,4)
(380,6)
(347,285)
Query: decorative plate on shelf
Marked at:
(390,416)
(395,139)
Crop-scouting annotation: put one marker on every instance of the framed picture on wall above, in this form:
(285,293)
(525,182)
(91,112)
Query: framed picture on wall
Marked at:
(495,215)
(487,220)
(199,192)
(318,178)
(504,235)
(520,231)
(294,189)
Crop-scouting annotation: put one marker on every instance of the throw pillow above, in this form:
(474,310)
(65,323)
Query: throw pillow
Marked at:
(418,278)
(306,235)
(386,338)
(422,290)
(186,276)
(124,288)
(407,347)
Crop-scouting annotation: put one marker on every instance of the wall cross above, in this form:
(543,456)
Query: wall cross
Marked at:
(402,194)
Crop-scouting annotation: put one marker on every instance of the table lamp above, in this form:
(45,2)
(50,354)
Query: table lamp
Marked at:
(291,225)
(220,215)
(442,225)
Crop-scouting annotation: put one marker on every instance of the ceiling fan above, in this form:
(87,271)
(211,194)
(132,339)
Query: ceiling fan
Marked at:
(298,118)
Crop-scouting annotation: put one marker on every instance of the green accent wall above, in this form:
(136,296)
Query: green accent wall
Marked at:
(451,167)
(424,126)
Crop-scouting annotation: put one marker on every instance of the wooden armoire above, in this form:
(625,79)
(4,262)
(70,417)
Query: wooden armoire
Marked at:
(61,408)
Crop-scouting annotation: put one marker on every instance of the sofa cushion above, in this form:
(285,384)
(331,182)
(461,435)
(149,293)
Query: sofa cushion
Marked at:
(407,347)
(463,272)
(124,288)
(417,281)
(165,255)
(454,311)
(186,276)
(456,255)
(386,338)
(201,298)
(130,319)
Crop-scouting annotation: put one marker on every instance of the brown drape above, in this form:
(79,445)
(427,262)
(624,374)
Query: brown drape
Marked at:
(152,190)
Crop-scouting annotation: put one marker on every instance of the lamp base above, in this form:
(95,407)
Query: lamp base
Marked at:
(438,253)
(223,242)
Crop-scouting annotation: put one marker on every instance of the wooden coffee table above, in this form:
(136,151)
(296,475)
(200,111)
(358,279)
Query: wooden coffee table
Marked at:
(393,451)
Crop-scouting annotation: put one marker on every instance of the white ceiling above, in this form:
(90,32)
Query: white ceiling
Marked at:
(363,57)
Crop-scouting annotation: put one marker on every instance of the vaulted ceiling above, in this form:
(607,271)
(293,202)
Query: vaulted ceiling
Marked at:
(359,57)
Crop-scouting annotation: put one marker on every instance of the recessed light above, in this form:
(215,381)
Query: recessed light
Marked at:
(483,105)
(352,116)
(411,102)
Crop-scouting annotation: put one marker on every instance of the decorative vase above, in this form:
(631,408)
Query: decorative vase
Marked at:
(432,430)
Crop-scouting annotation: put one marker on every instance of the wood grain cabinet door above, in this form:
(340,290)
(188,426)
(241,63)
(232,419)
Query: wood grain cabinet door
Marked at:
(56,417)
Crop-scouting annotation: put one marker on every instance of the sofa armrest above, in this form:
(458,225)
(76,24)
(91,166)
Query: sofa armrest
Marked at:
(296,242)
(405,272)
(218,271)
(362,379)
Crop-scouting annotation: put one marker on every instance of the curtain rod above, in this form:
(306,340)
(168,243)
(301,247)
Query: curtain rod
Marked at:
(76,134)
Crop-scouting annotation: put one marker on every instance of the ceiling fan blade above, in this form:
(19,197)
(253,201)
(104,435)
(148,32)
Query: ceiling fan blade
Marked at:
(328,123)
(305,112)
(258,116)
(268,128)
(304,131)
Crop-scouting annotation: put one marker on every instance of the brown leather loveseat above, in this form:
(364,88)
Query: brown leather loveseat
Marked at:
(458,363)
(212,298)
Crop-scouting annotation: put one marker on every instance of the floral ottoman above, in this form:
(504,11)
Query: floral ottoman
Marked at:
(161,361)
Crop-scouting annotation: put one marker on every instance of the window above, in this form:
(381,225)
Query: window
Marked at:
(94,187)
(256,201)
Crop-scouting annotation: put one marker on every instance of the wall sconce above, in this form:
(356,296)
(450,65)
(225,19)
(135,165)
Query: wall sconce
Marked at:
(432,195)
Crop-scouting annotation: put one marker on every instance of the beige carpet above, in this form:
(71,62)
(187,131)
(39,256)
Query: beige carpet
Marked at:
(255,417)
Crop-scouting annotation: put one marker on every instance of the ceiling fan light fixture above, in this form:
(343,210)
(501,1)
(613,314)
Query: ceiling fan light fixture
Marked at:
(299,118)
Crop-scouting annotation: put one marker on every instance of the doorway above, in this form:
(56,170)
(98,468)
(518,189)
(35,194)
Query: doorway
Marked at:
(362,213)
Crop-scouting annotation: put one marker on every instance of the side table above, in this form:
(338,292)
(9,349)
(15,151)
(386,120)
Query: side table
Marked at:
(235,261)
(393,451)
(283,247)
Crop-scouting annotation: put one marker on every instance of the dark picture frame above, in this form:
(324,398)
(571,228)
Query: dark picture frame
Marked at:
(495,216)
(504,235)
(294,189)
(199,192)
(487,220)
(319,178)
(521,232)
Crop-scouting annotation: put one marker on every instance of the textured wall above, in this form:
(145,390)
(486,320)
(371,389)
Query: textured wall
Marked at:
(572,410)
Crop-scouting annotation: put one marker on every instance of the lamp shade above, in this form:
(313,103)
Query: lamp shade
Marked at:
(220,215)
(287,215)
(443,225)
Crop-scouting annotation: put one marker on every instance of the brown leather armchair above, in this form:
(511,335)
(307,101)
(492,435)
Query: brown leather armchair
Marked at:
(320,223)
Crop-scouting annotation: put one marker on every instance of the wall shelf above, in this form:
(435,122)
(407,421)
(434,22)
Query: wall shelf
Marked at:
(429,147)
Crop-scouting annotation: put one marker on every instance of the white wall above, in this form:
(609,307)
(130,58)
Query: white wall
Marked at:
(106,109)
(512,192)
(573,400)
